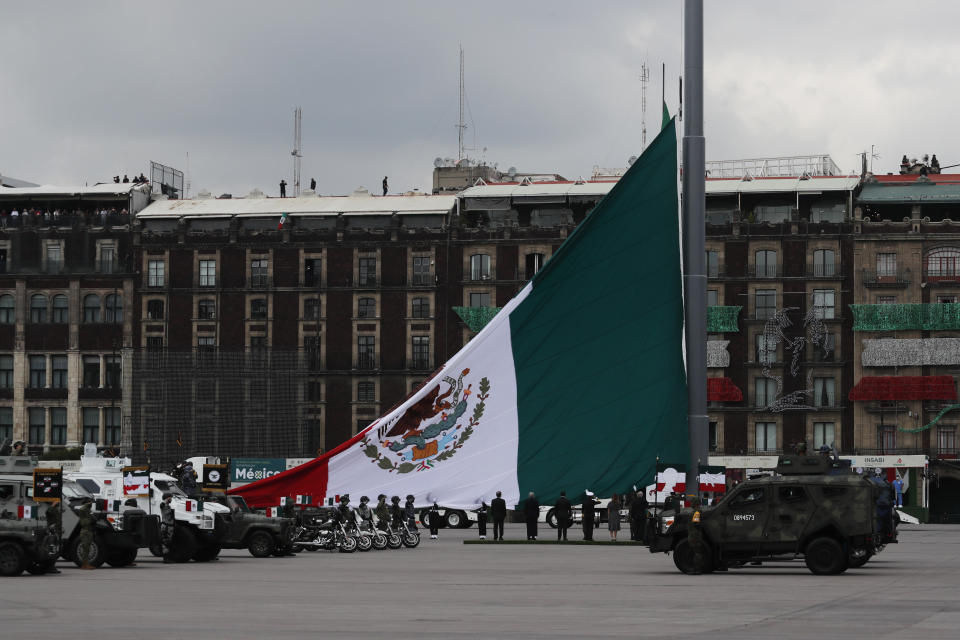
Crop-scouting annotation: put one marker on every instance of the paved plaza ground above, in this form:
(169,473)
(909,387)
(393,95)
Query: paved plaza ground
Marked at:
(447,589)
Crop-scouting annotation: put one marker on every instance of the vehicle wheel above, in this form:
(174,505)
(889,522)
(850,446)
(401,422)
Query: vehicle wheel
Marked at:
(122,558)
(97,552)
(380,542)
(206,554)
(364,543)
(12,559)
(825,556)
(40,568)
(394,541)
(155,549)
(424,517)
(411,540)
(857,561)
(683,558)
(348,545)
(184,544)
(552,519)
(454,519)
(260,544)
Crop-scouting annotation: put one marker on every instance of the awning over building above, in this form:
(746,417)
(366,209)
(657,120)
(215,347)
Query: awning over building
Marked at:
(904,388)
(723,390)
(927,192)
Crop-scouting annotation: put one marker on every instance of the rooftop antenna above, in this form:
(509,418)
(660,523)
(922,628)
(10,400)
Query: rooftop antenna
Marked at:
(297,148)
(461,126)
(186,190)
(644,81)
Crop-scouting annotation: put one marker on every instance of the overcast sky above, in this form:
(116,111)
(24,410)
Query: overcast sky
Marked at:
(92,89)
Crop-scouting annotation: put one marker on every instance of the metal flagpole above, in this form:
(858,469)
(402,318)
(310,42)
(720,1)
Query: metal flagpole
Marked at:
(694,252)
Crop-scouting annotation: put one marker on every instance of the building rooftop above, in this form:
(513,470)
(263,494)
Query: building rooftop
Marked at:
(54,191)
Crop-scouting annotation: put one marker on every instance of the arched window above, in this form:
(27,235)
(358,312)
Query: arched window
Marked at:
(942,264)
(114,304)
(366,308)
(61,309)
(38,308)
(824,263)
(91,308)
(421,307)
(7,310)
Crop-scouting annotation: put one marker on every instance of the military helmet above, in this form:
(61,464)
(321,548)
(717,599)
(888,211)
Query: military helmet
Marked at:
(364,499)
(395,499)
(345,498)
(382,496)
(410,498)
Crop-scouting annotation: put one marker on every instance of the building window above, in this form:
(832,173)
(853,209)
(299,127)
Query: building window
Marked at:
(208,273)
(206,342)
(59,380)
(112,372)
(311,272)
(111,423)
(766,436)
(7,310)
(824,434)
(114,309)
(947,439)
(366,392)
(366,308)
(312,346)
(823,392)
(313,391)
(38,308)
(108,259)
(421,307)
(713,264)
(156,273)
(421,352)
(421,270)
(258,273)
(479,299)
(91,372)
(766,263)
(712,436)
(765,392)
(311,309)
(824,263)
(54,257)
(37,417)
(366,352)
(534,262)
(6,372)
(943,264)
(823,303)
(712,298)
(38,372)
(58,426)
(886,267)
(946,299)
(886,299)
(766,349)
(480,267)
(886,438)
(206,309)
(827,351)
(91,308)
(154,343)
(91,425)
(367,271)
(61,309)
(258,309)
(6,423)
(155,309)
(766,303)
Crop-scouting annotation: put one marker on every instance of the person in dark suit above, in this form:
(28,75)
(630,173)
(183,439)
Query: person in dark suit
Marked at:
(638,516)
(531,512)
(498,511)
(562,511)
(589,514)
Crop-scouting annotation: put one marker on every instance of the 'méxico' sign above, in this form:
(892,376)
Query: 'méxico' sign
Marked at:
(252,469)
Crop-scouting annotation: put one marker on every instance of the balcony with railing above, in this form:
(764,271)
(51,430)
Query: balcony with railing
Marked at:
(828,270)
(887,279)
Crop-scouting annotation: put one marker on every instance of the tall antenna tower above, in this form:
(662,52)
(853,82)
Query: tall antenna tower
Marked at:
(644,81)
(461,126)
(297,149)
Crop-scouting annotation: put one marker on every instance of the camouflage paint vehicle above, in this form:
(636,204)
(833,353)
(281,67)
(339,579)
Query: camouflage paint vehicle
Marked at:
(261,535)
(813,507)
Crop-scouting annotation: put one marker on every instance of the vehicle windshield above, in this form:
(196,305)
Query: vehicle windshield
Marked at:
(239,504)
(169,487)
(73,490)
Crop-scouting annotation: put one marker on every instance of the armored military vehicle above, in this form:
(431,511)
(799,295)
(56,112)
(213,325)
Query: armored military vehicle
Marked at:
(813,507)
(26,545)
(259,534)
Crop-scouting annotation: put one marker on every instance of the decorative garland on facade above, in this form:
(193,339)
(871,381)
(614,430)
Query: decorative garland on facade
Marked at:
(476,318)
(904,388)
(723,390)
(943,412)
(939,316)
(722,319)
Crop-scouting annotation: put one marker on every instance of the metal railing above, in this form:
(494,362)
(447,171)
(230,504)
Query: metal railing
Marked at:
(896,278)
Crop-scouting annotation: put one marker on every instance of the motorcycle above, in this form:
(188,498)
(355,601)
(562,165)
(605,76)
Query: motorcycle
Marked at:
(325,532)
(354,528)
(393,539)
(410,538)
(378,540)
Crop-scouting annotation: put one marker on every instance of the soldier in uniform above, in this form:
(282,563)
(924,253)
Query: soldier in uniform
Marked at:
(167,523)
(344,512)
(396,513)
(434,518)
(695,538)
(562,511)
(410,514)
(189,480)
(85,515)
(482,520)
(589,513)
(53,527)
(382,511)
(366,513)
(289,510)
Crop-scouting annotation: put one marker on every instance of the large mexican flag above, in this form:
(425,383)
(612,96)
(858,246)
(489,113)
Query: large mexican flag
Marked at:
(578,383)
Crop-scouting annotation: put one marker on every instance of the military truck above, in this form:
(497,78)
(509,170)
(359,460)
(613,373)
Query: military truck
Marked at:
(198,531)
(812,507)
(116,537)
(259,534)
(26,545)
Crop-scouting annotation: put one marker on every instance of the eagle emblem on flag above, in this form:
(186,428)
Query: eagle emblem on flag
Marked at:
(432,429)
